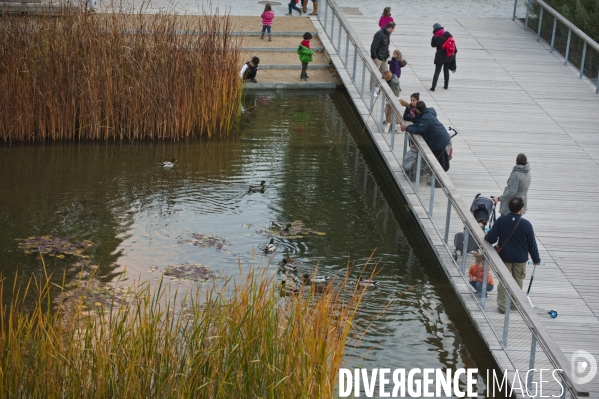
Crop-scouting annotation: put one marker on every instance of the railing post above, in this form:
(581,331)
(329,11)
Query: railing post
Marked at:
(597,85)
(372,89)
(339,39)
(417,182)
(353,75)
(333,28)
(447,219)
(531,363)
(515,5)
(374,196)
(568,47)
(553,34)
(405,144)
(363,79)
(584,54)
(431,205)
(383,101)
(465,249)
(483,293)
(540,22)
(346,48)
(326,9)
(527,14)
(393,128)
(506,318)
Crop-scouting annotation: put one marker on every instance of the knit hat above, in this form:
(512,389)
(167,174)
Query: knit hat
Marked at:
(437,26)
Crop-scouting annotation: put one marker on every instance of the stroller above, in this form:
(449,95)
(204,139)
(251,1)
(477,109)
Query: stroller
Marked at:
(482,208)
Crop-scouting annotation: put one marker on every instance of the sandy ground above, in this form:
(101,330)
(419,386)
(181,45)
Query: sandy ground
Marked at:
(285,58)
(277,41)
(292,75)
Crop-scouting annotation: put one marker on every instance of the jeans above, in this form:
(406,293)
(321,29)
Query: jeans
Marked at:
(518,271)
(445,74)
(304,73)
(266,28)
(478,286)
(292,6)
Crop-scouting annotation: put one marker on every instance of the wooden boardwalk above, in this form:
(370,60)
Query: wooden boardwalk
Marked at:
(511,95)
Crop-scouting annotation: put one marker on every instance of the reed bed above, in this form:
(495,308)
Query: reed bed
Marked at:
(240,341)
(118,76)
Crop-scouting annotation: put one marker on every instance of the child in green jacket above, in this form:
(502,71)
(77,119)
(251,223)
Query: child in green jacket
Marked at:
(305,55)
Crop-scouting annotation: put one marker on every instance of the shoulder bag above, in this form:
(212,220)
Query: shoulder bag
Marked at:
(498,248)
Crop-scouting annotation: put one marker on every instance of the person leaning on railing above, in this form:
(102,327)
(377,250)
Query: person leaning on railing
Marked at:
(515,238)
(432,131)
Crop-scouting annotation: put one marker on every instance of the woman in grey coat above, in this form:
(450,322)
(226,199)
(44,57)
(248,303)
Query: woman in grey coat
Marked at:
(517,185)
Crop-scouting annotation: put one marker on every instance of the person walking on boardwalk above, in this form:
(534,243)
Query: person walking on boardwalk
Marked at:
(432,131)
(267,16)
(515,240)
(293,6)
(379,49)
(445,55)
(517,185)
(385,18)
(305,55)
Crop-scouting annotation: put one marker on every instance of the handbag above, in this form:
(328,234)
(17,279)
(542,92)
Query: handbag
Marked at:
(499,249)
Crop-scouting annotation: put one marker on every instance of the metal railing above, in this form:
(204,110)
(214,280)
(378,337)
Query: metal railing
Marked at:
(579,49)
(520,331)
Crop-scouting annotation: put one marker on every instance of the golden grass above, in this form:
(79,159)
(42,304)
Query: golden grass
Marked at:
(117,76)
(239,342)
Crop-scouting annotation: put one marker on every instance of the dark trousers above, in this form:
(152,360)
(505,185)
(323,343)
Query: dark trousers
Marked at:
(266,28)
(443,158)
(292,5)
(304,73)
(249,75)
(438,71)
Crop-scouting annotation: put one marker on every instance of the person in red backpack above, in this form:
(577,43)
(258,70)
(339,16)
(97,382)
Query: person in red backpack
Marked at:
(293,6)
(445,55)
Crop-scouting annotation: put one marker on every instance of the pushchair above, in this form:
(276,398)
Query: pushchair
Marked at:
(481,208)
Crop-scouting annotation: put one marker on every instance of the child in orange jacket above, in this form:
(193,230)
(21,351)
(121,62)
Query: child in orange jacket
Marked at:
(476,274)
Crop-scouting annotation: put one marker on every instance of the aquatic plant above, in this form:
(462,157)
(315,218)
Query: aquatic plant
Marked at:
(123,75)
(244,340)
(54,246)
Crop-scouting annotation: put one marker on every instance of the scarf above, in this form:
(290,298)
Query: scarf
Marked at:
(440,32)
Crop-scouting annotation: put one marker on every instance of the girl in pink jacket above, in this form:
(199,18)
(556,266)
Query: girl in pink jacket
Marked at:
(267,16)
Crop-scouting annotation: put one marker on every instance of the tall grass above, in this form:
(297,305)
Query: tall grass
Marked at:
(117,76)
(249,342)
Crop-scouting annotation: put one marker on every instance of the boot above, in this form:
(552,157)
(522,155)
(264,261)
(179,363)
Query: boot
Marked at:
(315,12)
(262,35)
(269,37)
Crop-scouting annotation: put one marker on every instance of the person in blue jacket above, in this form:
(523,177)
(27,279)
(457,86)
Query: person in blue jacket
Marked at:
(432,131)
(516,237)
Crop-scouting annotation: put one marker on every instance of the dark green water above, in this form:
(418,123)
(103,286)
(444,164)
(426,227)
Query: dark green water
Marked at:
(319,168)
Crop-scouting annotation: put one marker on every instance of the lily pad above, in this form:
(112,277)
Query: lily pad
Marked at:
(191,271)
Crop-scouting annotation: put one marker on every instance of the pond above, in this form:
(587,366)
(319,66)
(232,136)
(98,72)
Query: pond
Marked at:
(319,168)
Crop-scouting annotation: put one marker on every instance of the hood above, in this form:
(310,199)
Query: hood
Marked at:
(430,111)
(522,168)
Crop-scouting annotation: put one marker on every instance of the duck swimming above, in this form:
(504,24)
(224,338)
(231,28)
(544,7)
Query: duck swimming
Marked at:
(367,283)
(270,247)
(167,164)
(255,187)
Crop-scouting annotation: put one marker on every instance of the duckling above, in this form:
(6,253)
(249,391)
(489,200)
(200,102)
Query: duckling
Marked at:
(316,279)
(289,265)
(288,289)
(167,164)
(367,283)
(270,247)
(255,187)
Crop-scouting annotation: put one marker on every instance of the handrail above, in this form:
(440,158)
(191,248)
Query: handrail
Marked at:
(530,317)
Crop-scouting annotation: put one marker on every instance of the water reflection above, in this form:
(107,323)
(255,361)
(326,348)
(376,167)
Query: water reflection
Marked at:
(318,169)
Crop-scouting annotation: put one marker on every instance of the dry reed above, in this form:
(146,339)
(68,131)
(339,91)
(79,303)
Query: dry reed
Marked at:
(245,341)
(117,76)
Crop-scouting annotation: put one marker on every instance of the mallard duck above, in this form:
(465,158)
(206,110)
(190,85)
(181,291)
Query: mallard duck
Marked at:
(289,265)
(270,247)
(167,164)
(288,289)
(277,224)
(255,187)
(316,279)
(367,283)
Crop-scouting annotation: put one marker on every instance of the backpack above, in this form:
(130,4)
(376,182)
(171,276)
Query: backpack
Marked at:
(449,46)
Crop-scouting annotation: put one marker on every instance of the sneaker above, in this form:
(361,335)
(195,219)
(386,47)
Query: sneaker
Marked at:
(502,311)
(387,127)
(289,14)
(254,81)
(432,89)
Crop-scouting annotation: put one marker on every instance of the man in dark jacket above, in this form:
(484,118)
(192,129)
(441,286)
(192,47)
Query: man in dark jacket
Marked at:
(379,49)
(515,235)
(432,131)
(442,60)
